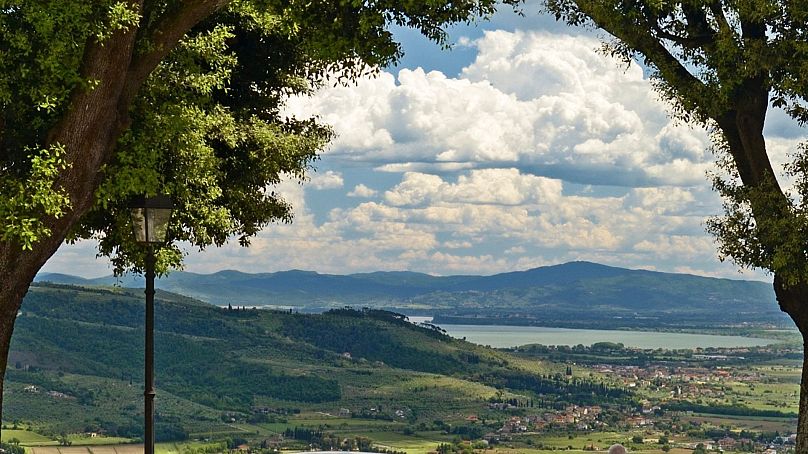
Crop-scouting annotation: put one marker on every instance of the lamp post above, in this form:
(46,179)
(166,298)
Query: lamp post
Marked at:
(150,217)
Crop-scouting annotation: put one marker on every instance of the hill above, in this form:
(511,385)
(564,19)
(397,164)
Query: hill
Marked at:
(76,366)
(576,294)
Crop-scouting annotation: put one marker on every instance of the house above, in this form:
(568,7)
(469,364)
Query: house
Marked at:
(272,442)
(727,443)
(491,436)
(472,418)
(344,413)
(792,439)
(539,425)
(708,445)
(638,421)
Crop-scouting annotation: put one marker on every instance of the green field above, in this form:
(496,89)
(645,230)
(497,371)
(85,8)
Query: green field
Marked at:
(160,448)
(26,437)
(85,440)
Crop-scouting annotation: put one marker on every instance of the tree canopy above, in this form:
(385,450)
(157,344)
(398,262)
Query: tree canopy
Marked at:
(206,123)
(723,64)
(104,100)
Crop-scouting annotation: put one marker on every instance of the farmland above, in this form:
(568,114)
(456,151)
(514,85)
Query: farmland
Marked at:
(367,379)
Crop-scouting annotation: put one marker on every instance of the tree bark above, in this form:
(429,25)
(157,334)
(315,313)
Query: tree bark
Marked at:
(10,298)
(793,300)
(802,422)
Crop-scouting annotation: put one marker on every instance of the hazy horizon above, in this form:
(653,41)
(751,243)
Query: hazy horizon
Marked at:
(224,270)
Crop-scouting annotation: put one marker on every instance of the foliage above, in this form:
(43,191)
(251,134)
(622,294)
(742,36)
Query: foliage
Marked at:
(330,442)
(372,341)
(107,350)
(733,410)
(207,125)
(26,202)
(701,55)
(12,448)
(721,65)
(583,392)
(771,236)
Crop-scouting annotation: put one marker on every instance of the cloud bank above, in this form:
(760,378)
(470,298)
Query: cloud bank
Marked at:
(541,150)
(546,103)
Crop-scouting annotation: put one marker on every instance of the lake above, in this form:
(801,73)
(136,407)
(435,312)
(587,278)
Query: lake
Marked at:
(500,336)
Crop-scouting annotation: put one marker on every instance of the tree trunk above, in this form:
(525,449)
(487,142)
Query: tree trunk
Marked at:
(16,276)
(802,424)
(7,316)
(793,300)
(89,131)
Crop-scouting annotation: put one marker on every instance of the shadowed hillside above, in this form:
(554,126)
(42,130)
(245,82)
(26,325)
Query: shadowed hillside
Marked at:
(576,294)
(86,344)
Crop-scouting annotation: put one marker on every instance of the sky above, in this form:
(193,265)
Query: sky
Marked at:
(522,146)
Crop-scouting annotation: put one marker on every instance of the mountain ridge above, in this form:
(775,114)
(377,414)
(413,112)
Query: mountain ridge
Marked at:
(110,279)
(583,293)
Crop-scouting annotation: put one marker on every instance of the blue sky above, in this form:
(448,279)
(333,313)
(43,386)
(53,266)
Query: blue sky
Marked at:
(521,147)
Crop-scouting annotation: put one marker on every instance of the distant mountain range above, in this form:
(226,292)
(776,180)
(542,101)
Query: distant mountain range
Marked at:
(570,294)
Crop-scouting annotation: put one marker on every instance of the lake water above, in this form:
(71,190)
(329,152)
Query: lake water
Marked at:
(500,336)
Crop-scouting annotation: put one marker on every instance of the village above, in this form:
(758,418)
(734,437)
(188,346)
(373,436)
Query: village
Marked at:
(733,400)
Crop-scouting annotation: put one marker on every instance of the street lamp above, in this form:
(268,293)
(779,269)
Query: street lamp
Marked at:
(150,216)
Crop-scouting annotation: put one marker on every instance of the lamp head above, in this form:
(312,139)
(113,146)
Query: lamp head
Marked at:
(150,218)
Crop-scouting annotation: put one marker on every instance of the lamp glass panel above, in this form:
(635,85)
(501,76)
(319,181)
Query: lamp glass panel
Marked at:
(139,224)
(157,219)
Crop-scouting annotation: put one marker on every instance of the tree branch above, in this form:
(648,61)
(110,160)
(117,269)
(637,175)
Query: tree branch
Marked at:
(697,24)
(167,33)
(638,36)
(720,18)
(694,42)
(87,133)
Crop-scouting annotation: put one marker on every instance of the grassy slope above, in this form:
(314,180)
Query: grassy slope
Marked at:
(88,344)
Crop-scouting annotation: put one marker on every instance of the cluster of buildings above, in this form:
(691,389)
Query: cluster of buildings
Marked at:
(33,389)
(681,382)
(582,417)
(634,376)
(780,445)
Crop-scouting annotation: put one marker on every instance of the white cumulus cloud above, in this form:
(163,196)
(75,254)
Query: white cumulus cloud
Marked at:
(328,180)
(362,191)
(546,104)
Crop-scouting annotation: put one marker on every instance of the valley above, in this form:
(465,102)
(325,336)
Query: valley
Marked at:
(369,379)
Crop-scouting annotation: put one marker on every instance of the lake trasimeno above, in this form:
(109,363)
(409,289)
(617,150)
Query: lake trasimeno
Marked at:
(501,336)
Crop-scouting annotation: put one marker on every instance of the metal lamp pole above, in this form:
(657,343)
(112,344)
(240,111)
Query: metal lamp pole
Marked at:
(148,393)
(150,219)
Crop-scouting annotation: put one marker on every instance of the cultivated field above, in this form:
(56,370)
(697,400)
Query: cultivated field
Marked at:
(112,449)
(160,448)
